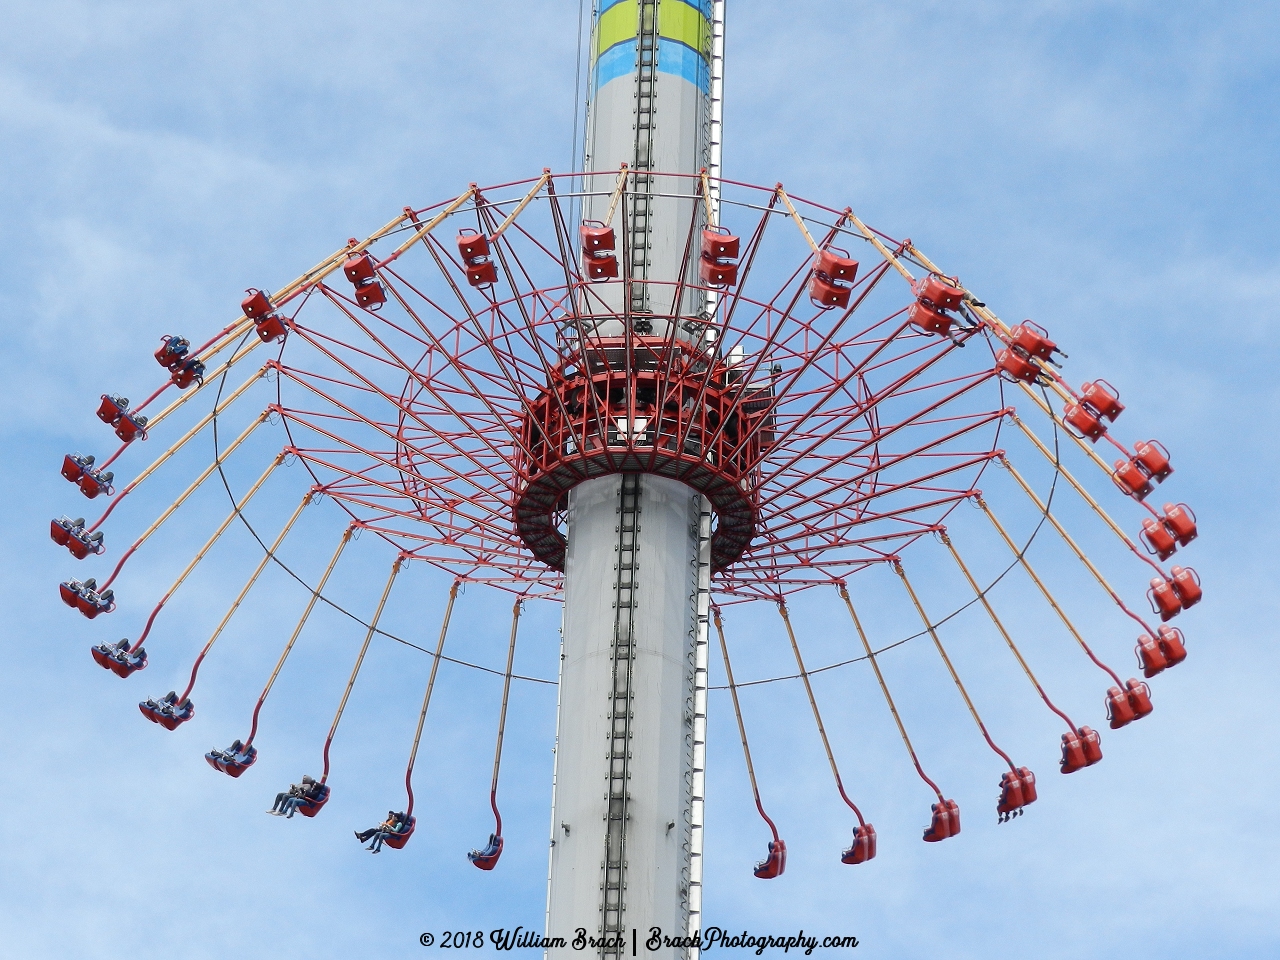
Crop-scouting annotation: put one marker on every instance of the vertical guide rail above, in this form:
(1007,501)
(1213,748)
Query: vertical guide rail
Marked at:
(822,731)
(701,602)
(315,595)
(884,688)
(714,140)
(641,204)
(742,730)
(928,625)
(426,698)
(613,886)
(355,671)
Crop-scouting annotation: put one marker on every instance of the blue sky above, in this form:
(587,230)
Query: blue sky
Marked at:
(1106,168)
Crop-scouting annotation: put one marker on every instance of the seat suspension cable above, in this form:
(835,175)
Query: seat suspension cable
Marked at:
(200,554)
(995,620)
(742,730)
(1044,590)
(355,670)
(813,703)
(311,603)
(1075,548)
(262,565)
(928,625)
(426,698)
(884,688)
(169,511)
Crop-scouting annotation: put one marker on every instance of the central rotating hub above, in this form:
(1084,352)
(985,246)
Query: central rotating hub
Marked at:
(644,404)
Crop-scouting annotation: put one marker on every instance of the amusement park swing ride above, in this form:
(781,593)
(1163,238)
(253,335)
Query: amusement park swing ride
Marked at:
(650,393)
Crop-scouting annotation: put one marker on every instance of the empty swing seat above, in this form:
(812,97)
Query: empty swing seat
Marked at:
(1080,749)
(112,408)
(1172,645)
(256,305)
(233,761)
(1164,598)
(60,529)
(1181,522)
(826,293)
(595,237)
(118,658)
(1186,583)
(1159,539)
(863,847)
(774,864)
(1132,478)
(945,822)
(310,806)
(1154,459)
(168,711)
(600,266)
(358,268)
(1150,656)
(1084,421)
(270,329)
(1139,697)
(1119,710)
(487,858)
(1103,398)
(835,267)
(483,274)
(370,295)
(96,482)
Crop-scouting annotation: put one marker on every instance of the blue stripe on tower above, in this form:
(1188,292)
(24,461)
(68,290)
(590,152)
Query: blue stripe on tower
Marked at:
(683,61)
(618,61)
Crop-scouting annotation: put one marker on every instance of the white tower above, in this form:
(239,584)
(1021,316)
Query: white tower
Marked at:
(627,813)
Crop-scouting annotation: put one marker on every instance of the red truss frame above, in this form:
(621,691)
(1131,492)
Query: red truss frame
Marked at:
(452,419)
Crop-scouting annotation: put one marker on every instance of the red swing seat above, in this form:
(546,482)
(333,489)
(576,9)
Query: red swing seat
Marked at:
(168,711)
(773,865)
(945,822)
(863,847)
(487,858)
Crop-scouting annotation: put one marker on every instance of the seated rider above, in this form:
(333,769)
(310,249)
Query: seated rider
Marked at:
(287,802)
(299,794)
(393,824)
